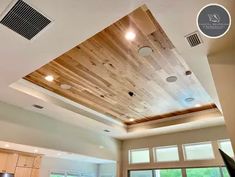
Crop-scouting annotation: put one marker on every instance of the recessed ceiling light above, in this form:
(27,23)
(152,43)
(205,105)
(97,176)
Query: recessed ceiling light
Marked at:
(171,79)
(7,145)
(65,86)
(145,51)
(131,119)
(49,78)
(130,35)
(198,105)
(189,99)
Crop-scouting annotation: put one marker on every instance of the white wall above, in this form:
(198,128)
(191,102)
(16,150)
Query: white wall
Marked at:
(50,164)
(107,170)
(200,135)
(223,70)
(24,127)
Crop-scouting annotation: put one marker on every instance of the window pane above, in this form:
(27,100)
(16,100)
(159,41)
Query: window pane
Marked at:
(225,172)
(144,173)
(57,175)
(203,172)
(198,151)
(226,146)
(167,154)
(168,173)
(139,156)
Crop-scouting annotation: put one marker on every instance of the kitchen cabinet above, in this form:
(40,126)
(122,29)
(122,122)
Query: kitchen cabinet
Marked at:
(35,172)
(8,162)
(37,162)
(25,161)
(23,172)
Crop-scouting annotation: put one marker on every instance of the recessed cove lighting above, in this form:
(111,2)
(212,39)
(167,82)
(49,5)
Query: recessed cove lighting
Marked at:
(65,86)
(171,79)
(49,78)
(130,35)
(145,51)
(198,105)
(189,99)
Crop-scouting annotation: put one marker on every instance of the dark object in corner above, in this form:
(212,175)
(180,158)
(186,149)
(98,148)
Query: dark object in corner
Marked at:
(229,163)
(6,175)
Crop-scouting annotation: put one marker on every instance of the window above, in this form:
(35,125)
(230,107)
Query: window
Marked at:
(72,175)
(198,151)
(225,172)
(166,154)
(57,175)
(139,156)
(226,146)
(143,173)
(168,173)
(203,172)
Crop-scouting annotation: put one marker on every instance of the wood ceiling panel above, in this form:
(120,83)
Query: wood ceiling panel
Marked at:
(105,68)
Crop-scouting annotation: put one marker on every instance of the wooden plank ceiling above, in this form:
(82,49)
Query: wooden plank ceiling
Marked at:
(104,69)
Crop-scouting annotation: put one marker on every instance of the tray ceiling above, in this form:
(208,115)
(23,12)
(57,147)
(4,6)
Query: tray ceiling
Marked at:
(109,74)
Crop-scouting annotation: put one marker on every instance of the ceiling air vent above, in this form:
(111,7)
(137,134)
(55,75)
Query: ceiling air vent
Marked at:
(193,39)
(25,20)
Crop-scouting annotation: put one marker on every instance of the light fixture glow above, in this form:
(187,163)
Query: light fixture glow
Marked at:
(130,35)
(49,78)
(131,119)
(101,147)
(7,145)
(35,151)
(197,105)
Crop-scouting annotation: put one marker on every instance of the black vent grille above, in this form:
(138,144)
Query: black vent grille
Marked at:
(25,20)
(193,39)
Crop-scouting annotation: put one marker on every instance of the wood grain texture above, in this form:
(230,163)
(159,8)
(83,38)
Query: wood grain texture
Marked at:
(103,69)
(23,172)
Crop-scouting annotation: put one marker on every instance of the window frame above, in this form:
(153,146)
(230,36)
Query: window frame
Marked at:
(140,149)
(198,143)
(162,147)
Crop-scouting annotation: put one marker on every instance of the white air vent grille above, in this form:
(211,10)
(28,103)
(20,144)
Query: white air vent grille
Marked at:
(193,39)
(25,20)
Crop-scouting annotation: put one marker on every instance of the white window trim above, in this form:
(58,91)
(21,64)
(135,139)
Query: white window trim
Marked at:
(198,143)
(141,149)
(162,147)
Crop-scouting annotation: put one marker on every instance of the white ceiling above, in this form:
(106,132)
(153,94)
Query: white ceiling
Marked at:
(53,153)
(75,21)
